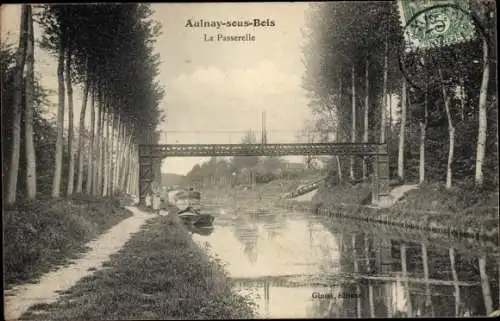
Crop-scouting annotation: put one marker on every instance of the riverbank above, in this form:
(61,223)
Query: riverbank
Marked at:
(159,274)
(42,235)
(461,211)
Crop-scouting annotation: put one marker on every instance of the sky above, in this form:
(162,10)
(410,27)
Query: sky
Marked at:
(218,89)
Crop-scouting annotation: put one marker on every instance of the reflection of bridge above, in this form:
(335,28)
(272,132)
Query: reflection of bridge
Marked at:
(294,281)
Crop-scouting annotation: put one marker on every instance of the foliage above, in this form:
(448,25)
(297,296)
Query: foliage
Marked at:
(343,34)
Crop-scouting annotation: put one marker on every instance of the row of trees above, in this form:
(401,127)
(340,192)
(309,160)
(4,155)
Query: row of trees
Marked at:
(108,51)
(353,58)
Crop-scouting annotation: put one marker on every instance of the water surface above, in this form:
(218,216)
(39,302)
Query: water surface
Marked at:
(297,265)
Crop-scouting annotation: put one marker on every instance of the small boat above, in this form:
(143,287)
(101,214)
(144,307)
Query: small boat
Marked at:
(195,217)
(203,230)
(204,220)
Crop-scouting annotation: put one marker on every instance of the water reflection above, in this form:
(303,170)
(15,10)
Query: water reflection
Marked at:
(295,265)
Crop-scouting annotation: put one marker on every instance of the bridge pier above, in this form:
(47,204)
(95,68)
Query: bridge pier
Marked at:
(380,184)
(149,172)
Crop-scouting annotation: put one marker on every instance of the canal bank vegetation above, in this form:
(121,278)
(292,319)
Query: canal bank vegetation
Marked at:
(100,158)
(43,234)
(61,180)
(160,274)
(435,108)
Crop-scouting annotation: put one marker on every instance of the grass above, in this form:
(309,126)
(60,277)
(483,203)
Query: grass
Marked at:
(463,207)
(427,198)
(159,274)
(43,234)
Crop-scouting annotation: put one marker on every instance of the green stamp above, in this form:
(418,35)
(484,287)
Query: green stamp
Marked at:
(431,24)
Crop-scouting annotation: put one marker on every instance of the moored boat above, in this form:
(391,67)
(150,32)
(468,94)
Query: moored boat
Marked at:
(195,217)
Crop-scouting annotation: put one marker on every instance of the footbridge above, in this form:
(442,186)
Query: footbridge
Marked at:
(151,156)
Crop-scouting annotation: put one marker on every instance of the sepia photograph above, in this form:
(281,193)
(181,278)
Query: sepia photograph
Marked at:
(250,160)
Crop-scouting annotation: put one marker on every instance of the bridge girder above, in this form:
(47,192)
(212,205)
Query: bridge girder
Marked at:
(150,158)
(296,149)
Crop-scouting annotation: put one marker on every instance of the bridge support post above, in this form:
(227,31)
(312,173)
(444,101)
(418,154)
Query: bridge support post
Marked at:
(149,172)
(145,178)
(381,190)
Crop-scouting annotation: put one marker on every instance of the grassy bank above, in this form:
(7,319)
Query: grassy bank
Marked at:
(159,274)
(41,235)
(461,210)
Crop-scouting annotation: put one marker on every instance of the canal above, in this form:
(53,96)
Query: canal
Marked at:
(299,265)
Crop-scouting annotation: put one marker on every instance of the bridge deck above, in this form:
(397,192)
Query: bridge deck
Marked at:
(191,150)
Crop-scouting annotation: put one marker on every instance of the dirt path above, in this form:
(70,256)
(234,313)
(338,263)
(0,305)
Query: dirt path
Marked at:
(396,194)
(46,290)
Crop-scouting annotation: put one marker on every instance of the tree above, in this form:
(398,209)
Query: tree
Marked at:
(71,132)
(483,119)
(365,117)
(17,107)
(28,108)
(353,117)
(81,130)
(402,131)
(451,132)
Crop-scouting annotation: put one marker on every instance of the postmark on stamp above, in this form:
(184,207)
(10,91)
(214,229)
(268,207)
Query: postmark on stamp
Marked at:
(431,24)
(437,34)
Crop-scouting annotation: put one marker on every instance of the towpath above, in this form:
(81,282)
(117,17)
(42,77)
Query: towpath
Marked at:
(20,298)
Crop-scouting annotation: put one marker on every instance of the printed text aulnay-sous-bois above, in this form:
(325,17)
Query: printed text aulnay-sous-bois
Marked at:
(218,24)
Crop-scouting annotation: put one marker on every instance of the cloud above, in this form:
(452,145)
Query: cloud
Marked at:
(265,79)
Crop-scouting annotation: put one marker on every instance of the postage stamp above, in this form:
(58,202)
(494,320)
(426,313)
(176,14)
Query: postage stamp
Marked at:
(436,33)
(430,24)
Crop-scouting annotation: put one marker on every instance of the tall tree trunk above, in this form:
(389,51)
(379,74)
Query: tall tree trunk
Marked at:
(485,285)
(123,165)
(91,149)
(131,178)
(455,279)
(97,148)
(16,109)
(56,182)
(425,262)
(28,110)
(337,127)
(402,129)
(127,168)
(384,92)
(103,149)
(120,142)
(353,128)
(135,182)
(356,272)
(71,131)
(423,128)
(451,132)
(111,158)
(100,141)
(129,173)
(81,131)
(407,284)
(105,168)
(483,125)
(365,136)
(462,99)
